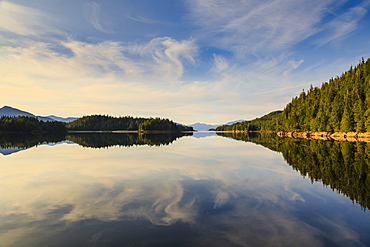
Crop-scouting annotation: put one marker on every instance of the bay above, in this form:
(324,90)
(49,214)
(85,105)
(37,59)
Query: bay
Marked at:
(201,189)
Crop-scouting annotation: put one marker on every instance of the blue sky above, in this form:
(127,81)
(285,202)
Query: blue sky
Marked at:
(191,61)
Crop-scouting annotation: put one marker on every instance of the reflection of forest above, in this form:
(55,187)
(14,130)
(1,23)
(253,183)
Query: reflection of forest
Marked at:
(90,140)
(341,165)
(102,140)
(28,140)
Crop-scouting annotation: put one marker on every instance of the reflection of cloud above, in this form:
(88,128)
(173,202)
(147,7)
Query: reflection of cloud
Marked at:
(160,204)
(242,187)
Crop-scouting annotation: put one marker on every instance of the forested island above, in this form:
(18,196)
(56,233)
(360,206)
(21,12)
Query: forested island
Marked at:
(108,123)
(28,124)
(340,105)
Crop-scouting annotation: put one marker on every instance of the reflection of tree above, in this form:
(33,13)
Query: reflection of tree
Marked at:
(341,165)
(118,139)
(90,140)
(28,140)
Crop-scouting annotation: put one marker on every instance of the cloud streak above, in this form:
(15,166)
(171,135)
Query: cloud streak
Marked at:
(250,26)
(94,16)
(24,20)
(342,25)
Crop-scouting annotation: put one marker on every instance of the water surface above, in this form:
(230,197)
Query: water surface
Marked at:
(194,190)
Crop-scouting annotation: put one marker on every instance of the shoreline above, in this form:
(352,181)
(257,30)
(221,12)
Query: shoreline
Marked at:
(98,131)
(127,131)
(327,136)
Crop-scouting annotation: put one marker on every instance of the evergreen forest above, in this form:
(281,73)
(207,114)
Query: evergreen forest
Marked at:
(25,124)
(108,123)
(30,124)
(340,105)
(264,123)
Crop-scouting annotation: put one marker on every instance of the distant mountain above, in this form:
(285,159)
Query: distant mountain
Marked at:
(205,127)
(202,126)
(13,112)
(61,119)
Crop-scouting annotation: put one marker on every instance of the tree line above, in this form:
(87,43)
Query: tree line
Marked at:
(264,123)
(29,124)
(340,105)
(93,123)
(103,122)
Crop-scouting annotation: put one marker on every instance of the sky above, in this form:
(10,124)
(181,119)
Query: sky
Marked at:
(208,61)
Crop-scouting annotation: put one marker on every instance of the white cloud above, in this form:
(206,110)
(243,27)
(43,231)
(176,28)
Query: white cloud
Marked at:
(24,20)
(342,25)
(89,75)
(161,60)
(256,26)
(164,57)
(93,15)
(220,63)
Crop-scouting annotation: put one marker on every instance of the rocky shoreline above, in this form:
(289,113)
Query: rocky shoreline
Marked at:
(337,136)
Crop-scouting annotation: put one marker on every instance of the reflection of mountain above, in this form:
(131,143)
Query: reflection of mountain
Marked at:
(10,143)
(344,166)
(14,143)
(7,151)
(28,140)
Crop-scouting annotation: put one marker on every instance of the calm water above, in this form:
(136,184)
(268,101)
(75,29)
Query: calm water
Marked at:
(196,190)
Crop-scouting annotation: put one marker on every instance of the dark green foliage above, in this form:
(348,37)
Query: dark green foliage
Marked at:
(344,166)
(99,140)
(342,104)
(104,140)
(108,123)
(162,124)
(100,122)
(266,122)
(29,140)
(29,124)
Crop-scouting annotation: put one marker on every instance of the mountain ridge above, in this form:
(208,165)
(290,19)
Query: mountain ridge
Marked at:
(14,112)
(204,127)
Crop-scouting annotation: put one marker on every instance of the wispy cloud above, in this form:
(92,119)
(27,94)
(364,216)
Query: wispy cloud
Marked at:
(94,16)
(109,73)
(24,20)
(255,26)
(150,21)
(342,25)
(164,57)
